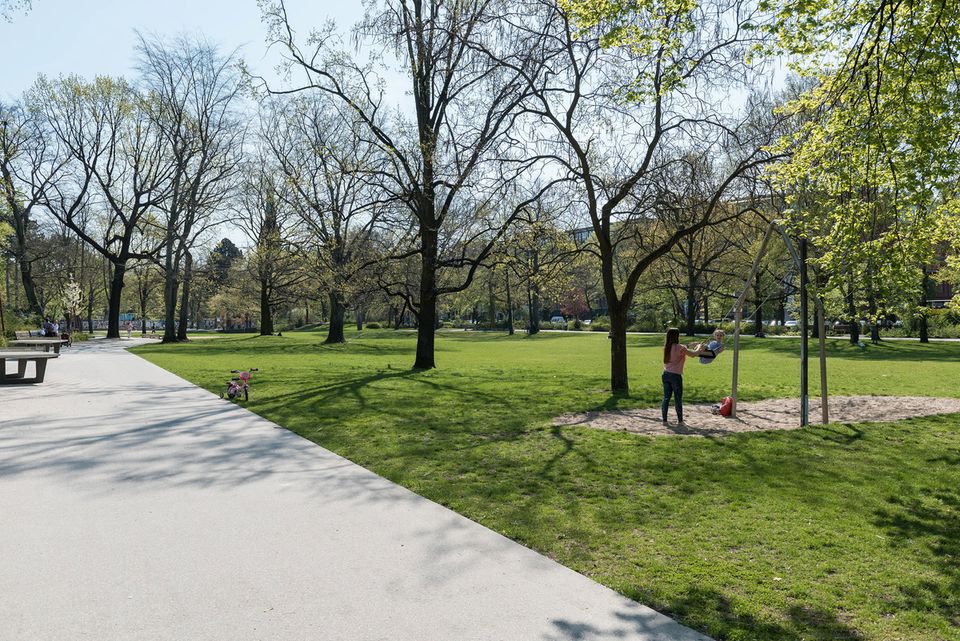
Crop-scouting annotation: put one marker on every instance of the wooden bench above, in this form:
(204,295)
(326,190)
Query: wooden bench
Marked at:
(39,360)
(23,335)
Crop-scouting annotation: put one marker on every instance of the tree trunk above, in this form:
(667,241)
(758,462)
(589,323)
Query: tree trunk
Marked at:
(170,286)
(337,312)
(509,304)
(116,290)
(852,311)
(427,313)
(29,288)
(90,309)
(874,325)
(185,297)
(691,311)
(618,348)
(706,309)
(266,316)
(6,280)
(398,317)
(533,302)
(491,302)
(758,305)
(924,328)
(143,293)
(359,319)
(195,306)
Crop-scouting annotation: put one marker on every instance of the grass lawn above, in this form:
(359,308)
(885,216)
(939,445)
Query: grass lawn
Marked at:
(839,532)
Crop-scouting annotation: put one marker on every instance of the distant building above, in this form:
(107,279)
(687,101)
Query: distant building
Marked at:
(580,235)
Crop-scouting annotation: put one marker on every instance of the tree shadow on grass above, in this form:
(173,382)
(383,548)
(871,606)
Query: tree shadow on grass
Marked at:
(280,347)
(640,397)
(569,447)
(714,613)
(884,351)
(839,433)
(355,386)
(932,520)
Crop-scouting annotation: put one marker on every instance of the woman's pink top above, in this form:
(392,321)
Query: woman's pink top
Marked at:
(678,356)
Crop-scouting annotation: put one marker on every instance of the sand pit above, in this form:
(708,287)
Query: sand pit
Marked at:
(762,416)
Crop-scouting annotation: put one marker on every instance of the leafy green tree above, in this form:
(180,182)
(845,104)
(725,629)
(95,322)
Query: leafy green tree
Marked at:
(221,259)
(873,167)
(617,105)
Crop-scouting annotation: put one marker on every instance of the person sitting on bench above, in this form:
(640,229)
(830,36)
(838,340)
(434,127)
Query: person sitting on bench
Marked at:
(48,328)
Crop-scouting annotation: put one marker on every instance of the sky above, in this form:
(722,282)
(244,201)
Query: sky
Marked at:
(90,37)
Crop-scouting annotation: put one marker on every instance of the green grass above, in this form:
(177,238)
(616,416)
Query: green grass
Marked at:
(838,532)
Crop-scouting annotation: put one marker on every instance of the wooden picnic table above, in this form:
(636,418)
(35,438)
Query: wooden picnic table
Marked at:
(22,358)
(47,343)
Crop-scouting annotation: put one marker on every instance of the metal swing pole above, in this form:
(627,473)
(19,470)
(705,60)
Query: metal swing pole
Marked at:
(804,373)
(822,330)
(800,259)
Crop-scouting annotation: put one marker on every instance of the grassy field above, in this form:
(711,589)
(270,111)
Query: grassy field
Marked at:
(839,532)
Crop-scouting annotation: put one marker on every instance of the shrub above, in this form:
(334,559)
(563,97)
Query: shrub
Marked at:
(373,325)
(701,328)
(778,330)
(575,325)
(79,337)
(645,325)
(600,324)
(942,326)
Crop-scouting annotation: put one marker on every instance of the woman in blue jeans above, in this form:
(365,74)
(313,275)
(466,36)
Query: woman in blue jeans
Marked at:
(674,356)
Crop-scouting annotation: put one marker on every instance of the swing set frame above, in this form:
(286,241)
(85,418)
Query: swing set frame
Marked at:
(800,260)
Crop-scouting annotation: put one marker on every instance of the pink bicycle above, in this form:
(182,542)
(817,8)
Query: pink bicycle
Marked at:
(239,384)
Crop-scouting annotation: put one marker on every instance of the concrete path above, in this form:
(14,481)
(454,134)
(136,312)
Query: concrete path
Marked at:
(136,506)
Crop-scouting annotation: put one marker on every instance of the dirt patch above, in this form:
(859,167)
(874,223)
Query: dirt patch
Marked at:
(762,416)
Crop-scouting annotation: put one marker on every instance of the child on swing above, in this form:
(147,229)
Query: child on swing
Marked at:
(712,348)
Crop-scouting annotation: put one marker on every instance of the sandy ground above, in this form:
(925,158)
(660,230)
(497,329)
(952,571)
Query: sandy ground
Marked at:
(774,414)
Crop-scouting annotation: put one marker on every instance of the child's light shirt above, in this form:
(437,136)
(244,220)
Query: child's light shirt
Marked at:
(714,346)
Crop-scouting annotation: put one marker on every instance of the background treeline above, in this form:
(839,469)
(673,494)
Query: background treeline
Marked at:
(613,166)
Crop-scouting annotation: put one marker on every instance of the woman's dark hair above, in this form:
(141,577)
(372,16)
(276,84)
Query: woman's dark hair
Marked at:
(673,337)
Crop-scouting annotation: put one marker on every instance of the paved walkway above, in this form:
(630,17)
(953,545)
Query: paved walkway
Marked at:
(136,506)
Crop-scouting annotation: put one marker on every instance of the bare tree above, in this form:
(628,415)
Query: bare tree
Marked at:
(617,121)
(331,173)
(193,93)
(450,160)
(8,8)
(273,260)
(28,166)
(119,171)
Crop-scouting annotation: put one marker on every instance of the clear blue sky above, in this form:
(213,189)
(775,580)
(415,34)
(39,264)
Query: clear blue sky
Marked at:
(90,37)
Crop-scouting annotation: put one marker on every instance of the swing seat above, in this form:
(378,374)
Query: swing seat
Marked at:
(706,360)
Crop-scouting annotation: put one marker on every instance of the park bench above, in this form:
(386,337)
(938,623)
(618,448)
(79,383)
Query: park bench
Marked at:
(39,359)
(27,335)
